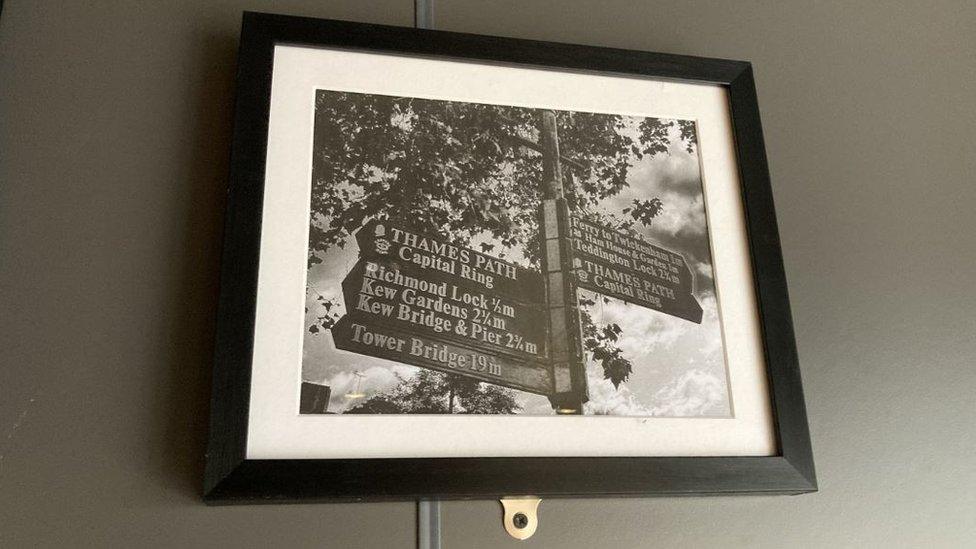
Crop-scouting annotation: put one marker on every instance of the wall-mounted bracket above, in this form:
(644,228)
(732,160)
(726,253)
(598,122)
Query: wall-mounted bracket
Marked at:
(521,516)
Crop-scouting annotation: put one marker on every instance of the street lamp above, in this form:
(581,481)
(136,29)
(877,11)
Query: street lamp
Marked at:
(357,394)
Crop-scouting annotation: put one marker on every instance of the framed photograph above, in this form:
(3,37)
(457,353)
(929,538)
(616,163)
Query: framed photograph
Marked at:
(461,266)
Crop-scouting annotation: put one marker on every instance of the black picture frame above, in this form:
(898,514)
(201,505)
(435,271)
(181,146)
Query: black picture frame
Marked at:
(232,478)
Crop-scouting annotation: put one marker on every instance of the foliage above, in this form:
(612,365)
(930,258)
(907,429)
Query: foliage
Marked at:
(654,135)
(601,343)
(431,392)
(644,211)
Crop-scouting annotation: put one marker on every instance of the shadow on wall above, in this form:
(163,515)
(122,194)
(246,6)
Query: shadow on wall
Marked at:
(181,409)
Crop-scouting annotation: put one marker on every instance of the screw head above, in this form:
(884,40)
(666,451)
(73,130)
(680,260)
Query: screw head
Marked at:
(520,520)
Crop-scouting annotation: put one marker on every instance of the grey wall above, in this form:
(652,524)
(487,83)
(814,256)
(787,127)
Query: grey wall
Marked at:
(114,124)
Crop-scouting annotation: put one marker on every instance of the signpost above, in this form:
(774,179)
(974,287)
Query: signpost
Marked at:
(393,242)
(422,300)
(360,335)
(633,270)
(403,296)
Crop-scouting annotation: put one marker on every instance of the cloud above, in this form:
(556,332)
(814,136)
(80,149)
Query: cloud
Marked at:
(607,400)
(643,330)
(695,393)
(683,216)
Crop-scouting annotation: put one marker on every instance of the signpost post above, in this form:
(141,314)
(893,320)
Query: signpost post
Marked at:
(565,336)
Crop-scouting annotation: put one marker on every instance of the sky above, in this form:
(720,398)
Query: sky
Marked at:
(678,366)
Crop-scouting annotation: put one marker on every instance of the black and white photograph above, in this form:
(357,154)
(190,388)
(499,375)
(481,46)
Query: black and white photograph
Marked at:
(471,258)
